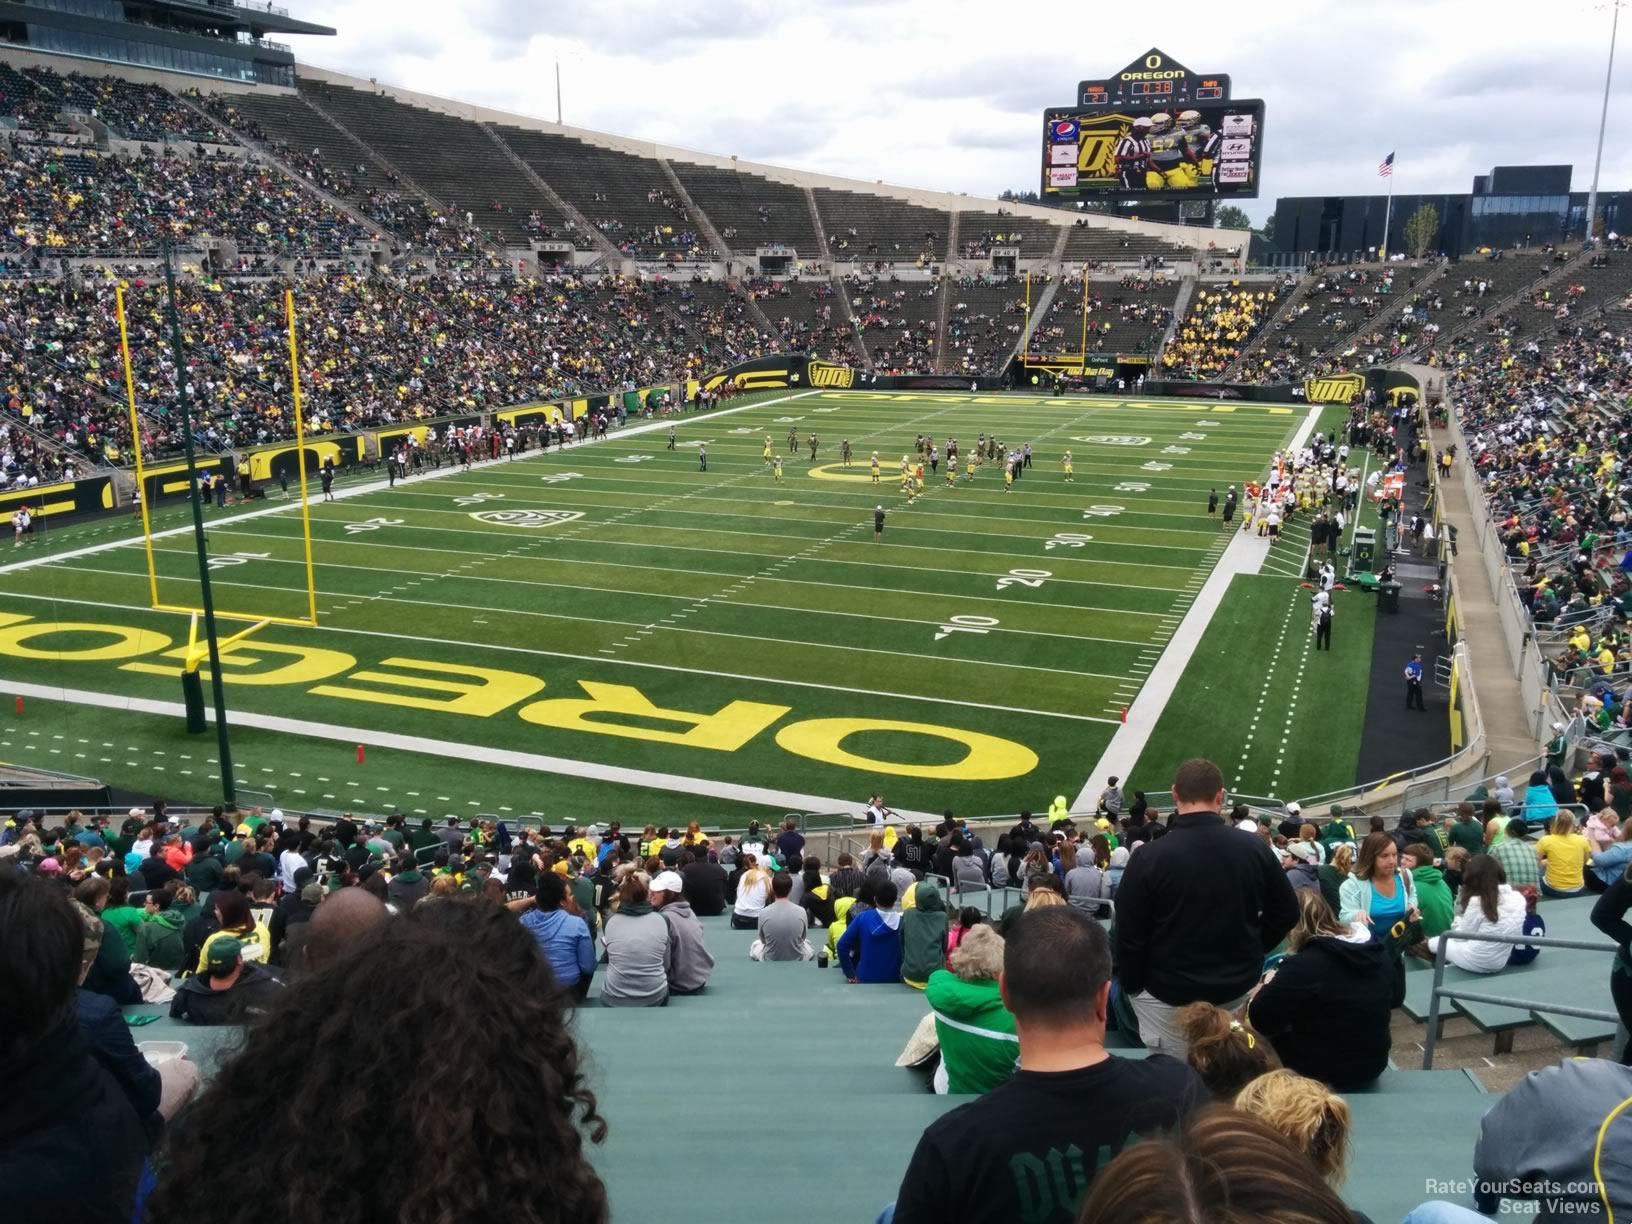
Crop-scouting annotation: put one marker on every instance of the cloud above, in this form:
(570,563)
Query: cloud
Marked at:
(949,94)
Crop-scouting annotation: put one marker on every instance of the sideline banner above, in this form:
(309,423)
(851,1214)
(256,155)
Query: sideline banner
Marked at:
(68,499)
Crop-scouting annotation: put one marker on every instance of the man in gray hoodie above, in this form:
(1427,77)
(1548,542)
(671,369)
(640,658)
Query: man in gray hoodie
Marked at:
(690,962)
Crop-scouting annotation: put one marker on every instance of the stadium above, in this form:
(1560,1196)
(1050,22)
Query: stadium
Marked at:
(493,603)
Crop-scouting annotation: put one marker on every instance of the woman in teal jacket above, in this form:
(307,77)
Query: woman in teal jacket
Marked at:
(975,1030)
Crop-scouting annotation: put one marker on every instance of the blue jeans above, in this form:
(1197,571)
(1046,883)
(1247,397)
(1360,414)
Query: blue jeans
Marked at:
(1439,1212)
(1547,890)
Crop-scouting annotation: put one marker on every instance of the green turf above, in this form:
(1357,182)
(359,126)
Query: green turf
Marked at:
(757,611)
(1282,719)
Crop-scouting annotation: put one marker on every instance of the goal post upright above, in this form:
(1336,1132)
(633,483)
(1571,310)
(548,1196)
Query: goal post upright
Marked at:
(300,456)
(136,444)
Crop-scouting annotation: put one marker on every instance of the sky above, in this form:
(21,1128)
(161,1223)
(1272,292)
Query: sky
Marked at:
(949,94)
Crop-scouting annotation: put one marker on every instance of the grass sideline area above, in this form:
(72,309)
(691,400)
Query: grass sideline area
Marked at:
(613,627)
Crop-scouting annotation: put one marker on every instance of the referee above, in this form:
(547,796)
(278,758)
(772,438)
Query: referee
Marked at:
(1133,155)
(878,524)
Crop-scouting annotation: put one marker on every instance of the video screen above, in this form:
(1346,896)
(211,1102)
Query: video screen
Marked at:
(1196,151)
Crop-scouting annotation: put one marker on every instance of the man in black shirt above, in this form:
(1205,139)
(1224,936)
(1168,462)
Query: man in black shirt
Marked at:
(1027,830)
(703,884)
(1197,911)
(1028,1149)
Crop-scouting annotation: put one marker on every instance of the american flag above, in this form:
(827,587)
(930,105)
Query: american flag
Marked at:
(1386,166)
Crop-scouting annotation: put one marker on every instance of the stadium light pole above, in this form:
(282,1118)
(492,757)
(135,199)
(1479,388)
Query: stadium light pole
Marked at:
(229,786)
(1615,7)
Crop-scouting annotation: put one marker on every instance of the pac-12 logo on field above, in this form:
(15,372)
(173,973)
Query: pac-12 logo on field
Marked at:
(825,374)
(526,518)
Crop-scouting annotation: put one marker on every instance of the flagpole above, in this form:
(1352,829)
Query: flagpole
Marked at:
(1388,210)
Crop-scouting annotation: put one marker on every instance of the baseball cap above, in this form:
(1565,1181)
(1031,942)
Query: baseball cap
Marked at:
(311,893)
(1294,809)
(1303,851)
(667,881)
(224,953)
(1337,811)
(49,866)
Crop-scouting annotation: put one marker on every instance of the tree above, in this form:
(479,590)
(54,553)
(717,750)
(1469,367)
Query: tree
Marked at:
(1422,231)
(1228,216)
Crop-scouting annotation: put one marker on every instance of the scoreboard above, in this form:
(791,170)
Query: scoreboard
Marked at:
(1155,130)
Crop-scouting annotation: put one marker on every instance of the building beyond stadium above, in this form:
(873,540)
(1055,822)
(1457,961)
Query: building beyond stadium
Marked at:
(210,38)
(1529,205)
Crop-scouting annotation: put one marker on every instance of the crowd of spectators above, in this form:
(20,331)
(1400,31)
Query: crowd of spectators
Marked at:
(985,323)
(74,201)
(378,194)
(1258,993)
(133,110)
(1542,418)
(374,350)
(1222,321)
(897,322)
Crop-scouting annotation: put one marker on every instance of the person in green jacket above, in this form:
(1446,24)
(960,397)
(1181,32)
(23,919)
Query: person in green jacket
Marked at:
(979,1048)
(1434,898)
(1467,830)
(1338,829)
(923,935)
(120,914)
(159,942)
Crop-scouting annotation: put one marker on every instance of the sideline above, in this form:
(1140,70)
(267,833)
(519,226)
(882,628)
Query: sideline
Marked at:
(1244,555)
(443,748)
(377,486)
(791,801)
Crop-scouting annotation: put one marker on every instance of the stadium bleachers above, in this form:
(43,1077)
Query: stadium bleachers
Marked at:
(627,198)
(750,211)
(130,109)
(866,227)
(1099,244)
(453,159)
(715,319)
(984,324)
(846,1038)
(332,160)
(898,323)
(809,318)
(979,232)
(1126,315)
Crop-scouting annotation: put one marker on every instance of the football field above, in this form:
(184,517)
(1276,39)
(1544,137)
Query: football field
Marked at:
(610,631)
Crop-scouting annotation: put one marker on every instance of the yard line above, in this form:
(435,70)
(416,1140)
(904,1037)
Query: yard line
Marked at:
(1106,523)
(561,654)
(661,569)
(379,486)
(536,762)
(738,552)
(1242,556)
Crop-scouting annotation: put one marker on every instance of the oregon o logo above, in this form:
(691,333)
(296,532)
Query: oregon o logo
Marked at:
(824,374)
(1153,61)
(526,518)
(1112,440)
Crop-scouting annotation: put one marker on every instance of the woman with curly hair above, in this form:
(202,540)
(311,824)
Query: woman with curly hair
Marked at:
(496,1086)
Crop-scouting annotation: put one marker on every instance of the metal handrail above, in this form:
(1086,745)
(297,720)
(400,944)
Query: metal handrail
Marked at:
(1440,991)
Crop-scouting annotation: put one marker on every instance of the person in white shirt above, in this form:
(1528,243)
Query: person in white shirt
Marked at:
(1484,906)
(289,862)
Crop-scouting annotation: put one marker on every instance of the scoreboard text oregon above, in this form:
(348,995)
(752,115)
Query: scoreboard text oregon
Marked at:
(1155,129)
